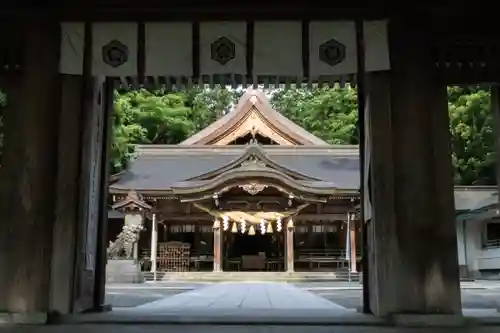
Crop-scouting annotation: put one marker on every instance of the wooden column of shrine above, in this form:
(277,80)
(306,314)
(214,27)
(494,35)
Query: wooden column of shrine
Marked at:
(352,239)
(289,253)
(218,246)
(154,244)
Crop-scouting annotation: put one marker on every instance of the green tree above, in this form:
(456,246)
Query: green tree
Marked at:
(472,135)
(143,117)
(159,117)
(328,113)
(208,105)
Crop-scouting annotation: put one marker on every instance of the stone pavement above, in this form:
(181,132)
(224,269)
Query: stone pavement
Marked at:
(236,329)
(243,296)
(234,303)
(263,303)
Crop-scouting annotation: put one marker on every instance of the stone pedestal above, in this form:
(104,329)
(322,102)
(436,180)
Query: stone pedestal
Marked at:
(123,271)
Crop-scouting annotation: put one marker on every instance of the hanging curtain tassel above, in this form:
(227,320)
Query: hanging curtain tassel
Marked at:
(269,228)
(234,228)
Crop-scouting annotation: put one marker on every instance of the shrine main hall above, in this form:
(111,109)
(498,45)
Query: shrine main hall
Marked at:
(252,191)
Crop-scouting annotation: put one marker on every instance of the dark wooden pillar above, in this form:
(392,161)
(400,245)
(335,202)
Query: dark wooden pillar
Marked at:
(218,240)
(67,202)
(28,174)
(106,100)
(495,109)
(289,260)
(412,237)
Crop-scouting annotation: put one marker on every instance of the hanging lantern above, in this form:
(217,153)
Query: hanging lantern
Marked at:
(243,226)
(262,227)
(225,223)
(269,228)
(279,225)
(251,231)
(234,229)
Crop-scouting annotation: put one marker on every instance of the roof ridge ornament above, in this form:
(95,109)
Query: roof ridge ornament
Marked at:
(253,99)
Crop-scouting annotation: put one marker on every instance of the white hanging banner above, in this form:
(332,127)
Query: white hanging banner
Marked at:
(223,48)
(376,46)
(332,48)
(278,49)
(114,49)
(72,45)
(169,49)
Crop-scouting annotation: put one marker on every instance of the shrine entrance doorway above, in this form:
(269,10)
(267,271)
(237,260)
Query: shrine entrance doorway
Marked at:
(258,252)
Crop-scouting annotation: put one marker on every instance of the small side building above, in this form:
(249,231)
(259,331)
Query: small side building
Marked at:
(478,231)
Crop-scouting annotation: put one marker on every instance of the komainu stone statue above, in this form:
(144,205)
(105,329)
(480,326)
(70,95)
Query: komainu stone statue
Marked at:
(123,246)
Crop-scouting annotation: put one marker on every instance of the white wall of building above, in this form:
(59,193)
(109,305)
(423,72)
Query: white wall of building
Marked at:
(472,256)
(462,261)
(471,252)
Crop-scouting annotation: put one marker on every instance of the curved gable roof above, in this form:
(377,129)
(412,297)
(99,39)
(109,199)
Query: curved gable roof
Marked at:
(256,155)
(158,168)
(254,101)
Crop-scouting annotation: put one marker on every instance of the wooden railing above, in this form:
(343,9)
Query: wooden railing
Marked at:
(329,253)
(316,259)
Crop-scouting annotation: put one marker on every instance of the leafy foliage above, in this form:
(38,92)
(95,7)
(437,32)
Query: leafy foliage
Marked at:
(330,114)
(472,133)
(158,117)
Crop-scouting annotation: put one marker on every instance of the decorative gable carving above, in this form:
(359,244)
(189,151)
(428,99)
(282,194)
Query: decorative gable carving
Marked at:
(255,123)
(254,115)
(253,188)
(133,202)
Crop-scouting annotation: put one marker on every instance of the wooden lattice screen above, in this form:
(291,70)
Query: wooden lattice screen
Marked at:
(173,256)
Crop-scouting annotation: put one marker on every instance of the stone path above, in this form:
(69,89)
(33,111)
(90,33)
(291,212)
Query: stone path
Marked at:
(238,329)
(257,303)
(226,303)
(265,296)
